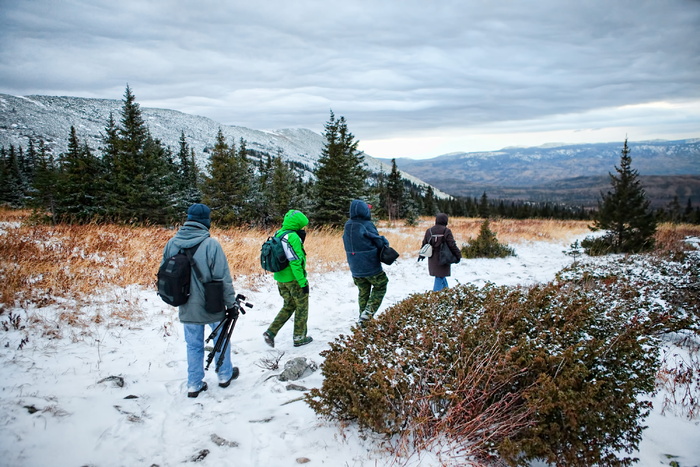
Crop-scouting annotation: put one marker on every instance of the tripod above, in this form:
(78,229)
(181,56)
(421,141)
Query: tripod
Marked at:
(224,330)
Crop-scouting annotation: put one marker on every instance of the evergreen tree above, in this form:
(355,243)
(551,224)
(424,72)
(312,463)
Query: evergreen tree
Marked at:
(486,245)
(160,198)
(12,183)
(46,180)
(29,162)
(674,211)
(340,174)
(394,193)
(282,193)
(143,175)
(110,155)
(688,212)
(429,204)
(484,208)
(225,189)
(78,197)
(378,195)
(188,185)
(624,213)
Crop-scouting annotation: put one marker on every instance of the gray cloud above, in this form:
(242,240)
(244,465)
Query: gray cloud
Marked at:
(391,68)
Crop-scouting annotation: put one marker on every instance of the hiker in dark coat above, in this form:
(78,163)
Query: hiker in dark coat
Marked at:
(362,246)
(436,236)
(213,265)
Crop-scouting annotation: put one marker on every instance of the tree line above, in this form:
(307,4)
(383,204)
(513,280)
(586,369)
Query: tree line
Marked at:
(134,178)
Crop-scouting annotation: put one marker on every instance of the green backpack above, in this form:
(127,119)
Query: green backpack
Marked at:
(272,255)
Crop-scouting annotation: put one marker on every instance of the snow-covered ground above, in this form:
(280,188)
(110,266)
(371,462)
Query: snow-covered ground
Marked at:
(57,409)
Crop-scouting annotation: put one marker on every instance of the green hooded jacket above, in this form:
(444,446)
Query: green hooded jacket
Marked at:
(296,271)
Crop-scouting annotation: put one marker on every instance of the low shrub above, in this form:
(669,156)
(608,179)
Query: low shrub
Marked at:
(552,372)
(486,245)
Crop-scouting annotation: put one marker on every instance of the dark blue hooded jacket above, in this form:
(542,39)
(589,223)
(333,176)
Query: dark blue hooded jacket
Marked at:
(362,241)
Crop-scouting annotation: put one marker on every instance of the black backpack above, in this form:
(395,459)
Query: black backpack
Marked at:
(174,277)
(272,255)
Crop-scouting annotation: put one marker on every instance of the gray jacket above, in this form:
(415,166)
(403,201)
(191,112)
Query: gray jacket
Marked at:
(212,263)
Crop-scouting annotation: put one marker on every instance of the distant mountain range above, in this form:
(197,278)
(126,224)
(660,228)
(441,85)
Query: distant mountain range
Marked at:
(572,174)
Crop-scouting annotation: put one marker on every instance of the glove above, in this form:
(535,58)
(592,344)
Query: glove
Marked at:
(421,258)
(305,289)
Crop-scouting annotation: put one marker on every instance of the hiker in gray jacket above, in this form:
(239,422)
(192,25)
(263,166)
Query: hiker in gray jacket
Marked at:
(212,264)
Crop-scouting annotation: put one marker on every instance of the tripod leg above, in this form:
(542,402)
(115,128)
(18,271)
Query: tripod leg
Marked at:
(222,355)
(215,331)
(221,330)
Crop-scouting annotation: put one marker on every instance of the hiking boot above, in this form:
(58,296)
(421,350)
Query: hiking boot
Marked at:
(269,339)
(304,341)
(196,393)
(234,375)
(364,317)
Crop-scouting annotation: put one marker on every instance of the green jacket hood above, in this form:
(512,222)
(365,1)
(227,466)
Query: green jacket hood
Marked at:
(294,220)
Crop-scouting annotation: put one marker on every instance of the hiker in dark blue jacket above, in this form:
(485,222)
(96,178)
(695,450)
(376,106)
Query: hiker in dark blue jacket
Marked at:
(362,246)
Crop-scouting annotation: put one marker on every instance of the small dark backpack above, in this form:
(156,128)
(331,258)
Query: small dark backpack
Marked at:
(174,277)
(272,255)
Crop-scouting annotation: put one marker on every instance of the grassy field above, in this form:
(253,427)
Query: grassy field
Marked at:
(42,263)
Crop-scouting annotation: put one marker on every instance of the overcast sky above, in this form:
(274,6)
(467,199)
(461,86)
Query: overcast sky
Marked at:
(412,78)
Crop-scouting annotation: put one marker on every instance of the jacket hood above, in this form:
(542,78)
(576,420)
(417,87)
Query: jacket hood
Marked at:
(441,219)
(190,234)
(359,210)
(294,220)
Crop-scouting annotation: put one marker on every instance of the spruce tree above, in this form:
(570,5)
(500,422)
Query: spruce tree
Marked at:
(225,188)
(45,183)
(429,203)
(29,163)
(282,191)
(188,185)
(394,193)
(624,213)
(78,197)
(340,174)
(688,212)
(142,176)
(110,155)
(675,214)
(159,199)
(484,209)
(12,182)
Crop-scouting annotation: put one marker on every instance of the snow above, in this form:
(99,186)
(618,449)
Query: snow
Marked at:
(81,420)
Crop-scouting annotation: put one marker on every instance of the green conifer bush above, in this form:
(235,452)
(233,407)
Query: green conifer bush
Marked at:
(486,245)
(556,372)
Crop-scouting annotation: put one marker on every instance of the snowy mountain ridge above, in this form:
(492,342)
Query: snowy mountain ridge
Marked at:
(50,117)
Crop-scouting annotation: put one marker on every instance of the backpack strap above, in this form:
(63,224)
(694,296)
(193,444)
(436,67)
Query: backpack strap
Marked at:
(190,256)
(434,238)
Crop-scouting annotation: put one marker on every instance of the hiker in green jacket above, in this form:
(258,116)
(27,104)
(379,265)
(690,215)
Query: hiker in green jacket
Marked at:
(291,281)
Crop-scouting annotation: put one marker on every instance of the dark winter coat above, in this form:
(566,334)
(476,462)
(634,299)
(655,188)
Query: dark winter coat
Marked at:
(212,263)
(440,234)
(362,241)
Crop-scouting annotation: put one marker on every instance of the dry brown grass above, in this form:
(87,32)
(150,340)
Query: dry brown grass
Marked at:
(40,263)
(670,237)
(507,230)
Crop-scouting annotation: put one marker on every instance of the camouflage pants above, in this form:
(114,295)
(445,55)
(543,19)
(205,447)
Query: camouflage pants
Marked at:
(371,291)
(296,303)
